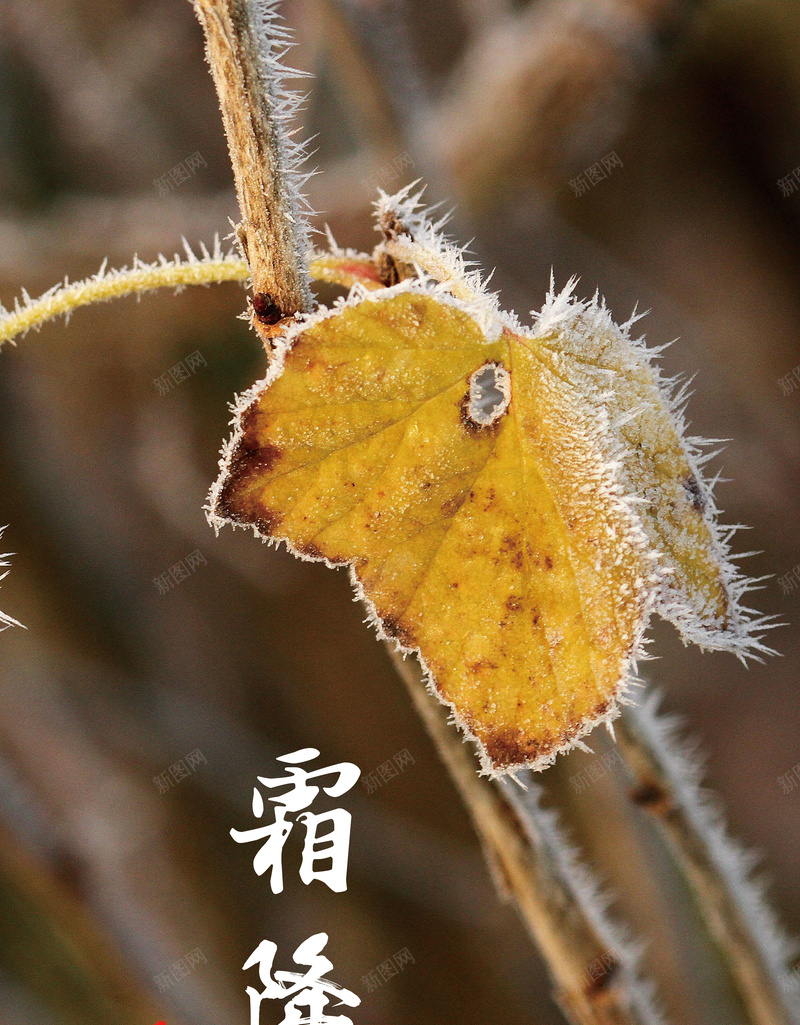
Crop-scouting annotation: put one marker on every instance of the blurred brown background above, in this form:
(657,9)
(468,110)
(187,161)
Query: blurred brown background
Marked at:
(507,110)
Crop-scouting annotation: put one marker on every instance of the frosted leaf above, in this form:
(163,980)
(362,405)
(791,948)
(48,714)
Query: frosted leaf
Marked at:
(512,502)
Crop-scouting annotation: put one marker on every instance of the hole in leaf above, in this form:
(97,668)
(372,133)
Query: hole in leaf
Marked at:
(489,394)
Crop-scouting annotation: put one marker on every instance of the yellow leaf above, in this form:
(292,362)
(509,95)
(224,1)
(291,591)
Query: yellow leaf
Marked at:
(512,503)
(699,588)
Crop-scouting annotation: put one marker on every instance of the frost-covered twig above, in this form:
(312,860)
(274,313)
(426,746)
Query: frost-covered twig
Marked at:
(210,268)
(245,46)
(755,949)
(5,621)
(141,277)
(593,967)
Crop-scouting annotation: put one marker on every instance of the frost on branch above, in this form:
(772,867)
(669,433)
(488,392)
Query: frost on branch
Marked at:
(739,916)
(246,43)
(5,621)
(623,954)
(273,42)
(513,502)
(60,300)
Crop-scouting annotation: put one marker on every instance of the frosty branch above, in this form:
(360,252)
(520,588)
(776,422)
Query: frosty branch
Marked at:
(557,898)
(245,45)
(755,950)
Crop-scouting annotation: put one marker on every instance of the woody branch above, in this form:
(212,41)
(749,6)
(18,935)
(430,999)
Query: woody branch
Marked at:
(267,232)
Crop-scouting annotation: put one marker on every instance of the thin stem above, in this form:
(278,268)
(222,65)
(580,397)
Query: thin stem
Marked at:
(593,968)
(241,40)
(717,872)
(378,66)
(61,300)
(362,82)
(105,285)
(147,277)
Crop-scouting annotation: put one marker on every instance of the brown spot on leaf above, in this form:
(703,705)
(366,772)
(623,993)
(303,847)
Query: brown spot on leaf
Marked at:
(509,746)
(398,631)
(452,505)
(250,459)
(483,663)
(267,521)
(696,497)
(513,603)
(231,505)
(309,549)
(470,425)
